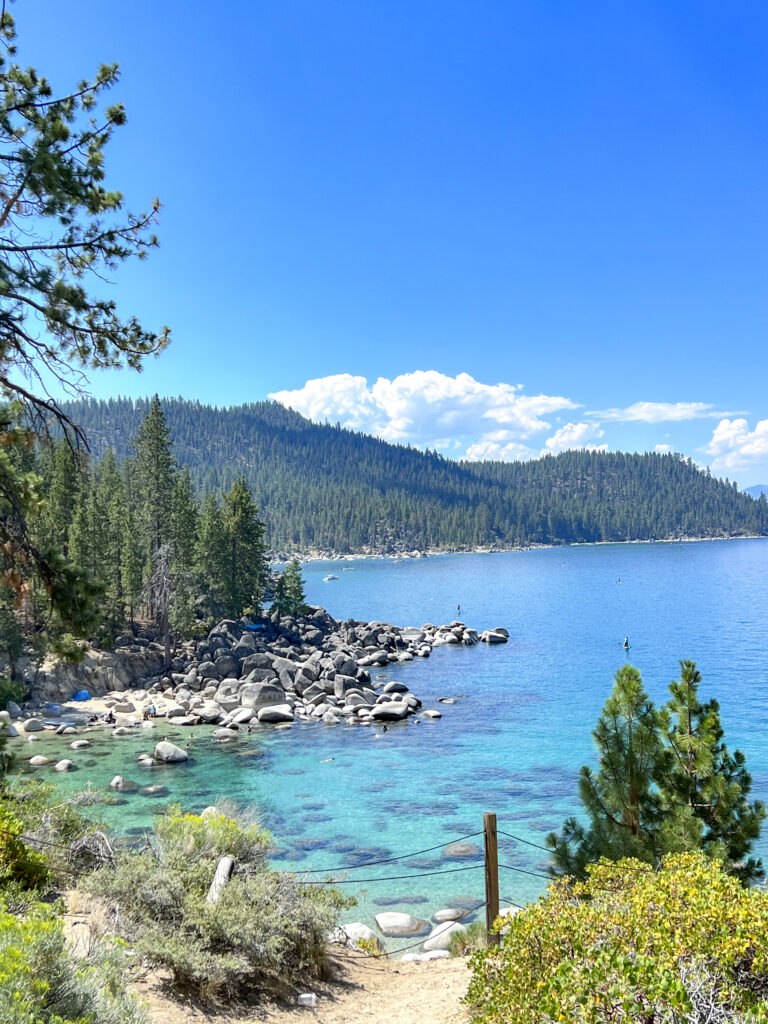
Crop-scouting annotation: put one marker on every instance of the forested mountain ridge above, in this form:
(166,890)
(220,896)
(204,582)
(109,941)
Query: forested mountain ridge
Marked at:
(320,486)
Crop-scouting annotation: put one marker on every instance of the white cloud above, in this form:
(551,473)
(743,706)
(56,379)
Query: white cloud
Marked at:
(573,435)
(499,446)
(340,397)
(425,407)
(661,412)
(735,447)
(468,419)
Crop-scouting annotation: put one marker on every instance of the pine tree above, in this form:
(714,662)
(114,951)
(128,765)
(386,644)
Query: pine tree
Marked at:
(182,618)
(290,598)
(60,230)
(246,565)
(155,479)
(131,564)
(111,501)
(700,775)
(88,531)
(619,800)
(211,554)
(61,494)
(185,516)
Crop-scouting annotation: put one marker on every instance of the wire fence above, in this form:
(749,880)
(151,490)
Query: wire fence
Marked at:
(34,840)
(386,860)
(106,859)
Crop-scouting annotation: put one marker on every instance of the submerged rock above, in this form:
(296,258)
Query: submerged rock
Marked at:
(154,791)
(462,850)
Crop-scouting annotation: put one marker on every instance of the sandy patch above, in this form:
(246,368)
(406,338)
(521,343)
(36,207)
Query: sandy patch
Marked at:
(364,990)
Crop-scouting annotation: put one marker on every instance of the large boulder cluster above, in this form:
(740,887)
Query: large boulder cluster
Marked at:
(307,668)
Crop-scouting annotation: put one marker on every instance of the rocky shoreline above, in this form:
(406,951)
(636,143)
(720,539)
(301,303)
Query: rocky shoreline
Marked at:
(243,674)
(250,676)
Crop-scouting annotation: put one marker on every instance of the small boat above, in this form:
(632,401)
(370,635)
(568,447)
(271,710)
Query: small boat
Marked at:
(331,577)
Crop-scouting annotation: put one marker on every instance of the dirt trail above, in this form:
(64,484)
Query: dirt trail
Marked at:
(365,990)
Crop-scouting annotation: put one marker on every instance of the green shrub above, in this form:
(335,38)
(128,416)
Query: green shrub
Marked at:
(370,946)
(68,647)
(680,945)
(18,863)
(54,823)
(474,938)
(265,929)
(41,982)
(11,690)
(194,838)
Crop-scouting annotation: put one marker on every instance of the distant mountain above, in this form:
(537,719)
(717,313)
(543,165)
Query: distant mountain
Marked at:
(323,487)
(756,490)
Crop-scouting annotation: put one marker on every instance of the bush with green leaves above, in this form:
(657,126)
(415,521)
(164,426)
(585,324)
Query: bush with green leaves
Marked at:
(266,928)
(42,982)
(474,937)
(18,863)
(685,944)
(52,826)
(11,690)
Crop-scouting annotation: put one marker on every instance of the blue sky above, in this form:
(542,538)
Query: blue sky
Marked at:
(496,227)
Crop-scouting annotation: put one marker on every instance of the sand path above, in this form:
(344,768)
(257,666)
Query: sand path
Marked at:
(361,990)
(365,990)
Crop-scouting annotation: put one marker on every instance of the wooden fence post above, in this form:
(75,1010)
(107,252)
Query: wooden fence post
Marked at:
(491,876)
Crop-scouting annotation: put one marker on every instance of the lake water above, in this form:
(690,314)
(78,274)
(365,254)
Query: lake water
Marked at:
(513,744)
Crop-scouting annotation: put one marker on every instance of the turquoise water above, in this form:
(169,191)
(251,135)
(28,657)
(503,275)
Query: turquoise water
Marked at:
(512,745)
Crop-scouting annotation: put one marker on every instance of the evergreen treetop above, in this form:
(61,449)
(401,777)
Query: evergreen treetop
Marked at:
(61,233)
(666,782)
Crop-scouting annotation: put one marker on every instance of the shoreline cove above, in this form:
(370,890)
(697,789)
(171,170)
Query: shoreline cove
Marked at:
(315,555)
(337,798)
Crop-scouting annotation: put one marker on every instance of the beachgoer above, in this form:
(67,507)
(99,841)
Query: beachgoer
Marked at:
(625,645)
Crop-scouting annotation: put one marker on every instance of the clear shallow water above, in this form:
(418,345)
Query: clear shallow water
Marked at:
(513,745)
